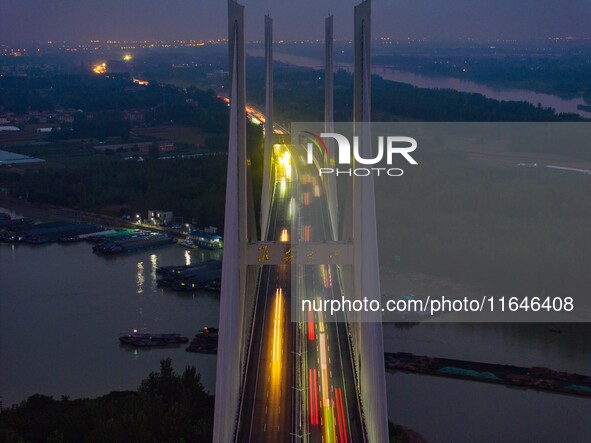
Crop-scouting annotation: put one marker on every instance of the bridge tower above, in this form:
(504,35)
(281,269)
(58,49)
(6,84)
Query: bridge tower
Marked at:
(330,180)
(239,230)
(269,120)
(367,331)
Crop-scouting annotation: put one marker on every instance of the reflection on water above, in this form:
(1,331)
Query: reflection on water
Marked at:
(62,333)
(187,257)
(140,278)
(154,262)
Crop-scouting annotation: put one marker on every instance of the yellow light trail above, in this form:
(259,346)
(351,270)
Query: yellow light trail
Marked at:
(324,370)
(277,324)
(284,236)
(320,316)
(284,162)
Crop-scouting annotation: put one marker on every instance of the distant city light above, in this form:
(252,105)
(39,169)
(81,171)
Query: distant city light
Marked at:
(100,68)
(127,57)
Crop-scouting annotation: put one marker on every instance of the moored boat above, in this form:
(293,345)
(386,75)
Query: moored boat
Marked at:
(151,340)
(188,243)
(205,341)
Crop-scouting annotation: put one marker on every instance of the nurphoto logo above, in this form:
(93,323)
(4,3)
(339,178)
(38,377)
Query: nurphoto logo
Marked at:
(400,145)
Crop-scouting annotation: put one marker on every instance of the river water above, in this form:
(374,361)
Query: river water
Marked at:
(62,308)
(438,82)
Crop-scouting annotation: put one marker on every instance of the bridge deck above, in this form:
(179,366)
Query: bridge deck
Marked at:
(307,363)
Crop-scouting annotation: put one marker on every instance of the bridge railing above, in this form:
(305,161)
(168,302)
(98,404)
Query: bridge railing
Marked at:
(352,353)
(246,357)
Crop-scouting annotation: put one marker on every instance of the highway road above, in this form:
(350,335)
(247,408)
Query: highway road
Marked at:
(267,411)
(299,383)
(332,407)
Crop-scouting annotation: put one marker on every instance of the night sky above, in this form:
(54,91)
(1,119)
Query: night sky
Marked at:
(41,20)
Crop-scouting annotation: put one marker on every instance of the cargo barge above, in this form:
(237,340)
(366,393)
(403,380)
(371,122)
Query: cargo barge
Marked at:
(118,234)
(12,230)
(152,340)
(514,376)
(206,275)
(21,230)
(79,235)
(203,240)
(509,375)
(136,243)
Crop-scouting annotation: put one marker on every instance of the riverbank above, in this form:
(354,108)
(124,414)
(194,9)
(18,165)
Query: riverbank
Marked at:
(46,212)
(561,105)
